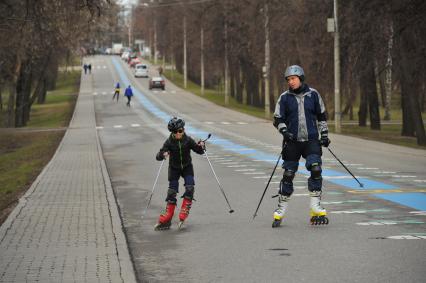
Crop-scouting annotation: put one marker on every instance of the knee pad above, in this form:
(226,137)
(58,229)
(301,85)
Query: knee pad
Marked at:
(171,196)
(316,171)
(189,192)
(288,176)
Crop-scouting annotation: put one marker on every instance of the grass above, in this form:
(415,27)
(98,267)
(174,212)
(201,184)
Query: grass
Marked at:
(388,133)
(24,152)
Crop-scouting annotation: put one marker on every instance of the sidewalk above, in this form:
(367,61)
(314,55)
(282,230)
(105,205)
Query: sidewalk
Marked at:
(66,228)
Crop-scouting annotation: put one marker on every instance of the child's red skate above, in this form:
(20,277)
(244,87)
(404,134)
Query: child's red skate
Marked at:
(165,220)
(184,211)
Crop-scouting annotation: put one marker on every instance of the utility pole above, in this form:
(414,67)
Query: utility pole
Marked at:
(185,73)
(267,67)
(155,39)
(202,59)
(332,26)
(337,111)
(226,57)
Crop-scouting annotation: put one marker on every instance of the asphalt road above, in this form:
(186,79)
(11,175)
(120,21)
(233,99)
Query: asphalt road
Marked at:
(376,234)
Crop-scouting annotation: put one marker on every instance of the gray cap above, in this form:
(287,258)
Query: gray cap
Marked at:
(295,70)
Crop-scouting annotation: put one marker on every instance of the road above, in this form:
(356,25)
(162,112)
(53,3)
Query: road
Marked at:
(376,234)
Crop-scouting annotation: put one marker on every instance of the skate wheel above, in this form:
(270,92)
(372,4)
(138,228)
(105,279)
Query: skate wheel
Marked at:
(160,226)
(276,223)
(319,220)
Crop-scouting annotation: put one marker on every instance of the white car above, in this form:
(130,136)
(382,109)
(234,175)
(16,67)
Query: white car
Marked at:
(141,70)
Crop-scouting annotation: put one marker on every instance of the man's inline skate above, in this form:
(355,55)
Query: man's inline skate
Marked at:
(318,213)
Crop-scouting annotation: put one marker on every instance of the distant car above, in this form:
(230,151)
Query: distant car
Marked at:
(134,62)
(157,82)
(141,70)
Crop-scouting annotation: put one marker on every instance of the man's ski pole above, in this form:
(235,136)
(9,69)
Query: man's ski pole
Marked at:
(217,180)
(267,185)
(360,184)
(153,188)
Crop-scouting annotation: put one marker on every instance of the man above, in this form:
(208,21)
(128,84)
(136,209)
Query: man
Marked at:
(300,116)
(128,93)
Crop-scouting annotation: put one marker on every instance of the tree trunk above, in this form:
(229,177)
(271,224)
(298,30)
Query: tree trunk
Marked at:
(407,125)
(411,86)
(23,92)
(363,105)
(373,99)
(388,76)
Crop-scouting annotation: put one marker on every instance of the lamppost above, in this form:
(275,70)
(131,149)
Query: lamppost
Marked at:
(332,26)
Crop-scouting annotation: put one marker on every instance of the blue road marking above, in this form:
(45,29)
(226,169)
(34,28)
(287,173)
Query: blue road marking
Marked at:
(413,200)
(417,202)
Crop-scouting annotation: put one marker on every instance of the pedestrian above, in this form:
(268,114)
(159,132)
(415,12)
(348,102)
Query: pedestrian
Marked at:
(300,116)
(117,91)
(128,93)
(90,68)
(85,68)
(178,148)
(160,71)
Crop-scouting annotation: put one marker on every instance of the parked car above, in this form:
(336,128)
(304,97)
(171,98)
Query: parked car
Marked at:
(157,82)
(134,62)
(141,70)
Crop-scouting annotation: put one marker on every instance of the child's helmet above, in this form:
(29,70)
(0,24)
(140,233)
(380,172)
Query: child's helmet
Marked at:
(175,124)
(295,70)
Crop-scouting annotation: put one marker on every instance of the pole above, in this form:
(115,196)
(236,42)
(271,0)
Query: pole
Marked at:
(153,188)
(267,185)
(337,111)
(267,62)
(185,73)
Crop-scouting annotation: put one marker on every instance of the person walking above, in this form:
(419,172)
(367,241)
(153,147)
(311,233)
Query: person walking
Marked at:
(117,91)
(85,68)
(178,148)
(300,116)
(128,93)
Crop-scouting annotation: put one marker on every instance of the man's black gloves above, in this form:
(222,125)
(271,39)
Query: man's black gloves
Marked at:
(160,156)
(324,141)
(287,135)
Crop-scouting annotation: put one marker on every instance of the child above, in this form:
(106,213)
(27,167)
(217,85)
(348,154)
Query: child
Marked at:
(178,146)
(117,91)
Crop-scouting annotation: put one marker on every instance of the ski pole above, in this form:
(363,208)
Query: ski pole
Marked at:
(267,185)
(217,180)
(153,188)
(360,184)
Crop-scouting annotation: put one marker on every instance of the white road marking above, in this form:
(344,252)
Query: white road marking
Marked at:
(242,123)
(368,168)
(376,223)
(225,123)
(236,166)
(341,177)
(300,195)
(403,176)
(99,127)
(118,126)
(253,173)
(173,91)
(104,93)
(420,181)
(407,237)
(420,212)
(135,125)
(104,67)
(244,170)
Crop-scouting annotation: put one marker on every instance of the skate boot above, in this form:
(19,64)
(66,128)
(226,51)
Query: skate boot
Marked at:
(280,211)
(184,211)
(165,220)
(318,213)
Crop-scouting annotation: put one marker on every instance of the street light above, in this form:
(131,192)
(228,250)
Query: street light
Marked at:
(332,26)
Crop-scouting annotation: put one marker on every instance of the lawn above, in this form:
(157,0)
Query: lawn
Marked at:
(25,151)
